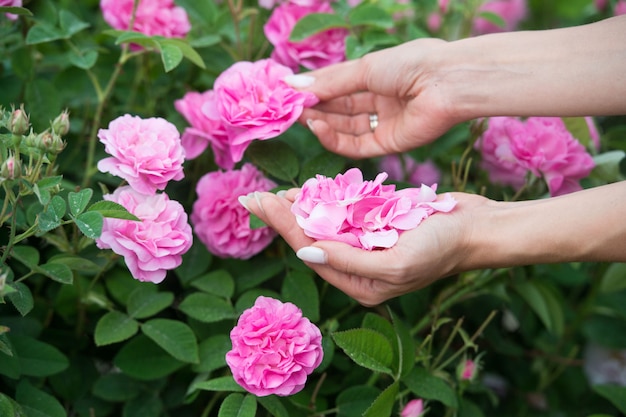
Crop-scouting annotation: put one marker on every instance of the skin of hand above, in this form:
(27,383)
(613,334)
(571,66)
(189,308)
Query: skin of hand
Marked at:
(422,88)
(478,233)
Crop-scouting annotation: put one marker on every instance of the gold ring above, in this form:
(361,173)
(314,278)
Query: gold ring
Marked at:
(373,121)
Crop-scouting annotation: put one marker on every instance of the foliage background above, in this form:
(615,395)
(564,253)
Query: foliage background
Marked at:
(80,337)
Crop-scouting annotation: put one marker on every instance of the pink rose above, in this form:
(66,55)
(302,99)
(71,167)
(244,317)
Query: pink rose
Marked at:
(155,244)
(204,130)
(365,214)
(409,170)
(620,8)
(269,4)
(548,149)
(274,349)
(145,152)
(317,51)
(153,17)
(220,222)
(497,158)
(253,102)
(511,11)
(414,408)
(11,3)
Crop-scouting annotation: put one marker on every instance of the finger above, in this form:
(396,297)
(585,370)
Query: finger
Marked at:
(336,80)
(355,124)
(360,102)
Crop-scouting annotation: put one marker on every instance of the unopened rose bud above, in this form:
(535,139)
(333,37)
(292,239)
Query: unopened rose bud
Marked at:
(61,124)
(50,142)
(467,370)
(414,408)
(19,122)
(11,168)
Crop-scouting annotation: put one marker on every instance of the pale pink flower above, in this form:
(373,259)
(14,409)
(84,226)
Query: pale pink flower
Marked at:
(365,214)
(511,11)
(620,8)
(497,158)
(404,168)
(549,150)
(443,5)
(204,130)
(604,366)
(319,50)
(220,222)
(153,245)
(274,348)
(153,17)
(414,408)
(433,22)
(253,102)
(147,153)
(11,3)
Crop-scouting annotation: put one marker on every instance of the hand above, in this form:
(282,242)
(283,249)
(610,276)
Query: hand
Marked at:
(399,84)
(435,249)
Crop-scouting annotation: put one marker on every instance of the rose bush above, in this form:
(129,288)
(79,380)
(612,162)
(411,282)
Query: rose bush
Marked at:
(144,289)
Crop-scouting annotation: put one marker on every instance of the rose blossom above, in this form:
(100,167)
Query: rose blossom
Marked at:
(414,408)
(269,4)
(274,348)
(11,3)
(204,131)
(319,50)
(220,222)
(405,168)
(155,244)
(365,214)
(467,370)
(511,11)
(145,152)
(253,102)
(620,8)
(153,17)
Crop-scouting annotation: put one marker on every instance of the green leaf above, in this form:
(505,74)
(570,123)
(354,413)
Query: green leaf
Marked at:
(114,327)
(256,222)
(275,157)
(83,59)
(175,337)
(223,383)
(27,255)
(16,10)
(430,387)
(355,49)
(37,403)
(367,348)
(57,271)
(494,18)
(608,166)
(383,404)
(78,201)
(207,308)
(43,32)
(218,282)
(579,128)
(70,23)
(370,15)
(48,220)
(195,261)
(212,353)
(544,303)
(144,303)
(614,393)
(299,288)
(613,279)
(469,409)
(8,407)
(90,223)
(112,210)
(406,351)
(43,95)
(76,263)
(49,182)
(325,163)
(186,49)
(238,405)
(606,331)
(354,400)
(314,23)
(171,56)
(146,405)
(116,387)
(143,359)
(37,358)
(22,298)
(273,405)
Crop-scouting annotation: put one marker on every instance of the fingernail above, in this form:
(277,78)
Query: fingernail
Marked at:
(243,200)
(309,123)
(299,80)
(312,254)
(257,197)
(281,193)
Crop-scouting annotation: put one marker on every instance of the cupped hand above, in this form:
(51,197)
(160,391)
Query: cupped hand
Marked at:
(401,85)
(433,250)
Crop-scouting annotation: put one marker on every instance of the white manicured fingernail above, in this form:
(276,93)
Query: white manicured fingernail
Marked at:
(257,197)
(243,200)
(309,123)
(281,193)
(312,254)
(299,80)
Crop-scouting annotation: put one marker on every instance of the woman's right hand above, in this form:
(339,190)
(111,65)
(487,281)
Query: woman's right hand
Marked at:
(399,85)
